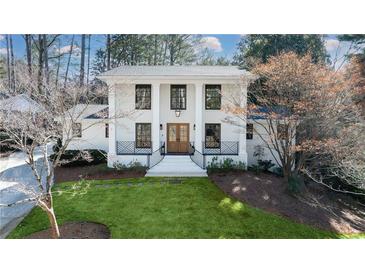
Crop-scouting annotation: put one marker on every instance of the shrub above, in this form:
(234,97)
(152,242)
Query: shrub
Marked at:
(131,166)
(295,184)
(265,165)
(228,164)
(278,171)
(82,157)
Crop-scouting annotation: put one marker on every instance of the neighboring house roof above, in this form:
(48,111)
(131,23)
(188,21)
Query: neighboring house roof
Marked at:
(188,71)
(261,112)
(88,111)
(21,103)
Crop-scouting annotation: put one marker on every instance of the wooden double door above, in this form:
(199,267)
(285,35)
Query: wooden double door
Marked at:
(177,138)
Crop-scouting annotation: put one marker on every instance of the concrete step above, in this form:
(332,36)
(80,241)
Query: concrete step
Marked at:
(176,166)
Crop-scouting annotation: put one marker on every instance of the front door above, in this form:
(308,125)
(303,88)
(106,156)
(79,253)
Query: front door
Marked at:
(178,138)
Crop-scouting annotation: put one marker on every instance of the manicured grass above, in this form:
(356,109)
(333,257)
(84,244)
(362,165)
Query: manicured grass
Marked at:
(148,208)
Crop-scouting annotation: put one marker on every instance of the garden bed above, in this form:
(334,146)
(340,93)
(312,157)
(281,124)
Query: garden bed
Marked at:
(76,230)
(314,205)
(95,172)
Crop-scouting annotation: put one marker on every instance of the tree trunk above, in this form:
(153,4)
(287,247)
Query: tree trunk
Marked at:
(69,59)
(40,62)
(45,51)
(108,41)
(55,232)
(88,59)
(58,62)
(82,62)
(12,62)
(8,60)
(28,46)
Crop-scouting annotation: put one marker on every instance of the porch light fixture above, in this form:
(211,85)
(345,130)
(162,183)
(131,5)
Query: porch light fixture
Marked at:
(177,112)
(194,126)
(160,126)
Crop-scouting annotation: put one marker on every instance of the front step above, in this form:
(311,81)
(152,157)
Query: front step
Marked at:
(176,166)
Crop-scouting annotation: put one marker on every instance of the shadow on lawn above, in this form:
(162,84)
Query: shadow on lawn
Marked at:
(313,206)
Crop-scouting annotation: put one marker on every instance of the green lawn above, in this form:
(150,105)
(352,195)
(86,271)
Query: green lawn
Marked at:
(194,209)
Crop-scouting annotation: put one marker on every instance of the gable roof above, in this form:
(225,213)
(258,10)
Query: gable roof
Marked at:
(21,103)
(188,71)
(88,111)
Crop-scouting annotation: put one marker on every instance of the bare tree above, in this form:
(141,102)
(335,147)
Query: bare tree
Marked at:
(35,130)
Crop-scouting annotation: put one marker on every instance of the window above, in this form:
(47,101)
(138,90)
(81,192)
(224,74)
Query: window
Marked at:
(282,131)
(106,130)
(143,135)
(178,96)
(212,135)
(143,96)
(76,130)
(213,96)
(249,131)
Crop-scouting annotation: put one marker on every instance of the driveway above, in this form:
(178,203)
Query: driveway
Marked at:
(16,176)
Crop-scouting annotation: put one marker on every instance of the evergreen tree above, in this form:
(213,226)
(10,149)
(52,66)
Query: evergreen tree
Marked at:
(255,48)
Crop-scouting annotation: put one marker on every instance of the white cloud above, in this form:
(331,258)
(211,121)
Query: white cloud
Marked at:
(2,51)
(211,42)
(332,44)
(66,49)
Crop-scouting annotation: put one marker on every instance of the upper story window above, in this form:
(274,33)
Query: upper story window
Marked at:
(249,131)
(178,96)
(77,130)
(143,96)
(212,135)
(213,96)
(143,135)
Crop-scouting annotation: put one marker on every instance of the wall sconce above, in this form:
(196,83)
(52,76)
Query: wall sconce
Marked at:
(160,126)
(177,112)
(194,127)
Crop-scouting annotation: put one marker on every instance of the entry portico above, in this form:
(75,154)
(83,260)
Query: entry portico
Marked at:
(158,110)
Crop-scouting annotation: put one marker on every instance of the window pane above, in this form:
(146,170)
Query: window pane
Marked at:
(178,96)
(212,135)
(249,131)
(143,96)
(212,96)
(143,135)
(76,130)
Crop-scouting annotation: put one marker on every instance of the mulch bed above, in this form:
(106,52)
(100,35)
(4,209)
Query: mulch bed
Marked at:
(67,174)
(314,206)
(79,230)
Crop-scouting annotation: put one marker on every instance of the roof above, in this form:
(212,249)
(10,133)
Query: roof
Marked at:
(193,70)
(261,113)
(88,111)
(21,103)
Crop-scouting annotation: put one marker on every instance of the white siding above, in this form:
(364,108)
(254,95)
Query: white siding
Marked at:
(93,137)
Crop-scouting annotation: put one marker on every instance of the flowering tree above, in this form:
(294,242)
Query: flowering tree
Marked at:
(308,115)
(37,128)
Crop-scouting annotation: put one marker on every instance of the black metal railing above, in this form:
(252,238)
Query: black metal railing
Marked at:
(221,148)
(196,156)
(157,156)
(131,148)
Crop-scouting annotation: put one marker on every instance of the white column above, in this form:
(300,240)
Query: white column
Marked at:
(198,116)
(112,121)
(155,116)
(242,137)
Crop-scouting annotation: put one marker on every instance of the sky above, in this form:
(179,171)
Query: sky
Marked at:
(221,44)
